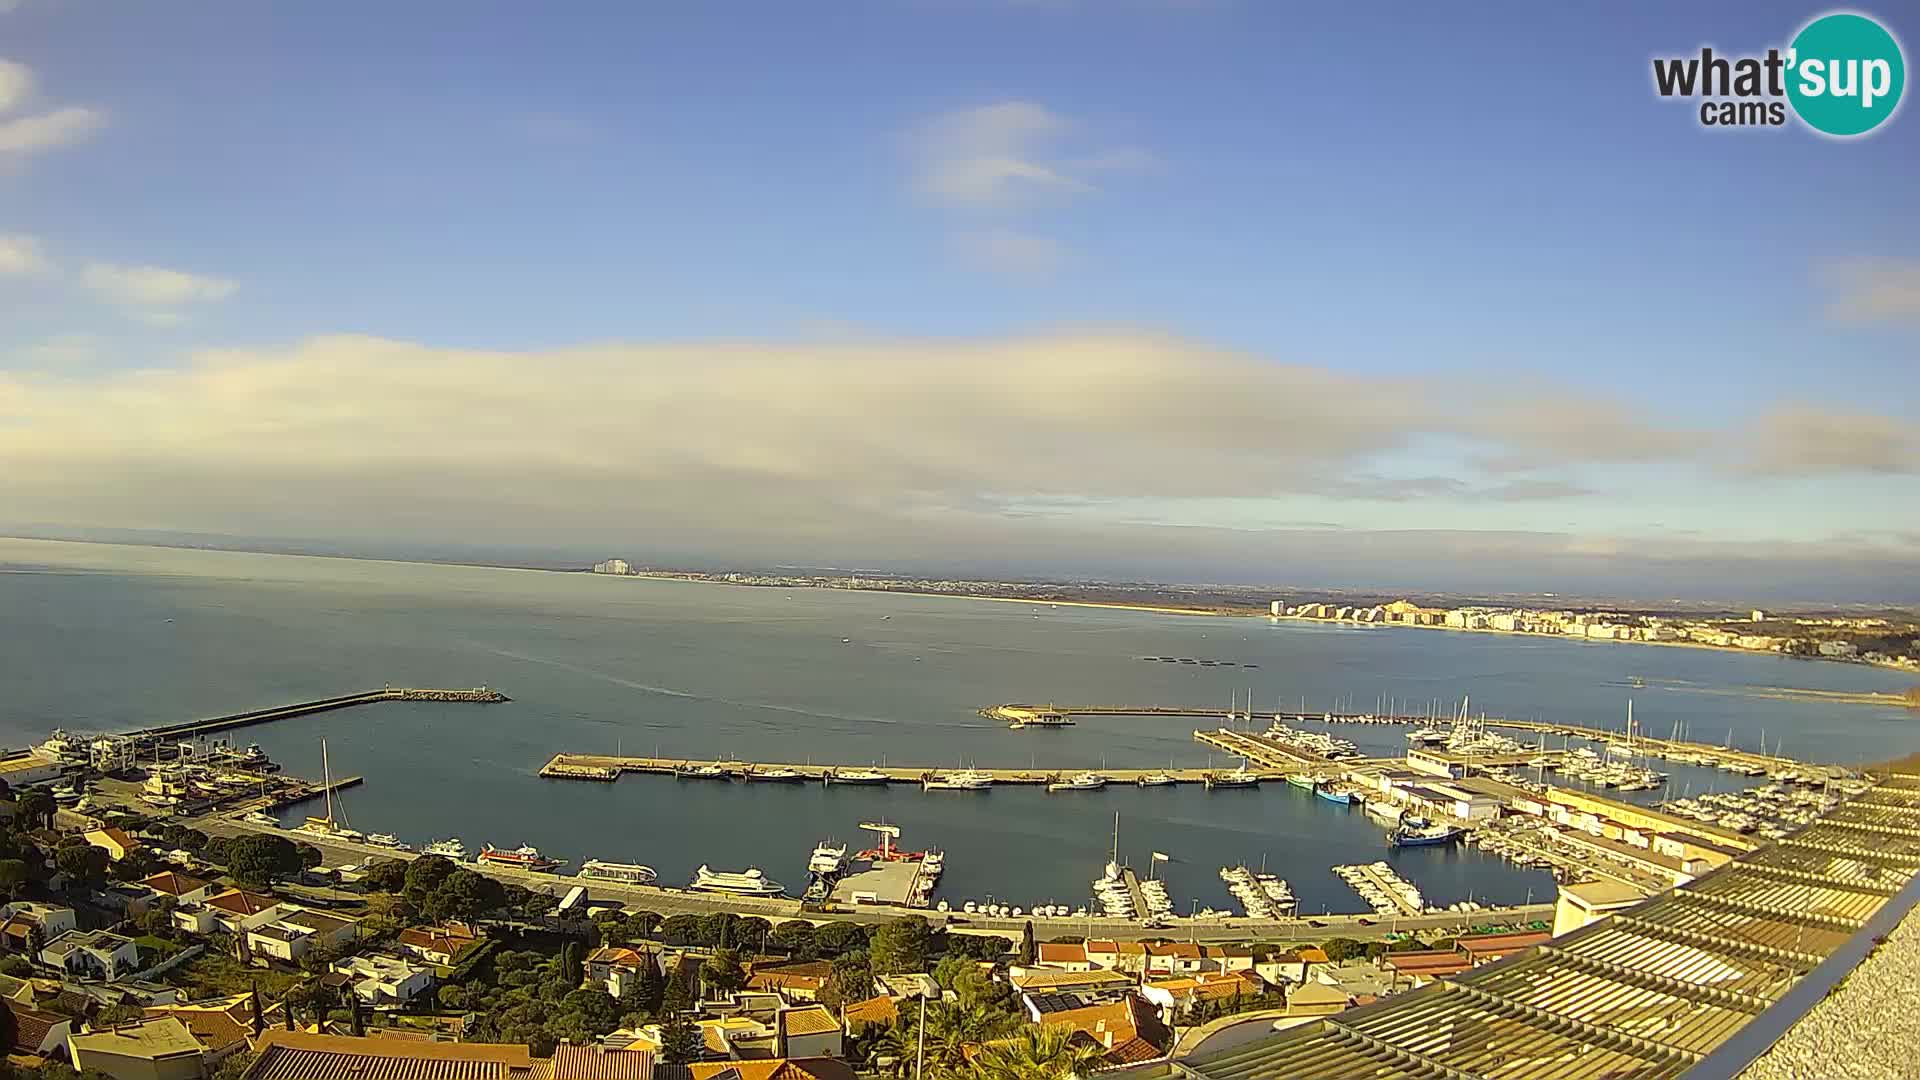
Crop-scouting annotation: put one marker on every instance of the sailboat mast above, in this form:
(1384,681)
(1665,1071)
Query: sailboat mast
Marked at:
(326,778)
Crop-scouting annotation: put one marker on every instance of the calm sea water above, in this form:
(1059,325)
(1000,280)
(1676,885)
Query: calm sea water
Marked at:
(99,637)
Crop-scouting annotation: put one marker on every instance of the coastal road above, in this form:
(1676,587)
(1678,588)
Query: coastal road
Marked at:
(678,901)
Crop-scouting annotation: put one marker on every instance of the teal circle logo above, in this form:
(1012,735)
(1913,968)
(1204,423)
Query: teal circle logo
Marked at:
(1846,74)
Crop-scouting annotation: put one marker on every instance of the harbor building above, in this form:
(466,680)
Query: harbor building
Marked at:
(613,566)
(1589,901)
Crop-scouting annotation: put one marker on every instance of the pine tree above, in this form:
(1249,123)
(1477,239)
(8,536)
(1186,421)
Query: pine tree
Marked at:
(681,1042)
(570,964)
(649,987)
(1028,950)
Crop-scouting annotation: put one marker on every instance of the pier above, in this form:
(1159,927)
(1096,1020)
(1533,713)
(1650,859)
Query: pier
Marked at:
(603,767)
(313,791)
(1649,745)
(195,728)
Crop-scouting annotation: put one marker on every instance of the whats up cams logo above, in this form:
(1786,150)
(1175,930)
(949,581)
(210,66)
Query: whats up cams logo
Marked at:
(1842,76)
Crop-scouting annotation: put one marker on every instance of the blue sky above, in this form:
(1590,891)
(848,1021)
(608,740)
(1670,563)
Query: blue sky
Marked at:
(1425,205)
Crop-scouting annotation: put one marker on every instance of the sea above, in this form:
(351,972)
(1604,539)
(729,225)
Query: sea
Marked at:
(97,637)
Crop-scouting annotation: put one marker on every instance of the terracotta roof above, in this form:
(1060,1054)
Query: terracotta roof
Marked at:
(1428,962)
(1101,945)
(813,1068)
(874,1010)
(1130,1051)
(217,1024)
(1313,955)
(240,902)
(297,1055)
(1494,946)
(617,956)
(30,1026)
(1183,949)
(1226,950)
(593,1063)
(173,883)
(814,1020)
(1067,953)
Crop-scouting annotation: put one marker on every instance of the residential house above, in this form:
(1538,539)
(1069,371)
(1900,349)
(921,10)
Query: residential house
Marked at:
(1127,1029)
(1486,948)
(1315,998)
(286,1054)
(818,1068)
(913,984)
(222,1025)
(801,982)
(158,1049)
(1047,981)
(235,911)
(1067,956)
(1181,994)
(297,930)
(1294,966)
(615,968)
(28,925)
(882,1011)
(1173,958)
(1117,955)
(1227,958)
(1423,966)
(97,954)
(810,1031)
(117,844)
(599,1063)
(444,944)
(378,979)
(185,889)
(38,1032)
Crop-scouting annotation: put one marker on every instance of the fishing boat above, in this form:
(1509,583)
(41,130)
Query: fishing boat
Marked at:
(1303,780)
(1086,781)
(963,780)
(856,776)
(1241,777)
(524,857)
(450,848)
(748,882)
(330,827)
(1341,795)
(624,873)
(1426,834)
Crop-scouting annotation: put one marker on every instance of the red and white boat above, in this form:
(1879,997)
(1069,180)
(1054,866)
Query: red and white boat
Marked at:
(524,857)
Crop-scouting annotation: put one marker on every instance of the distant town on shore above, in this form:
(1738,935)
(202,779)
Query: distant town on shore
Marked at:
(1886,639)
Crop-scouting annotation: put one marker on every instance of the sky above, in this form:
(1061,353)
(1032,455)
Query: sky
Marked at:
(1206,291)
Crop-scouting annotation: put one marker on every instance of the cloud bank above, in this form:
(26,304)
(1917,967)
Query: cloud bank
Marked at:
(910,450)
(22,136)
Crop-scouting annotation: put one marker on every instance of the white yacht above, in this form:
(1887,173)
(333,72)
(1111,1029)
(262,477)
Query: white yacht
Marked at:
(623,873)
(748,882)
(828,858)
(1157,779)
(964,780)
(384,840)
(857,776)
(450,848)
(1086,781)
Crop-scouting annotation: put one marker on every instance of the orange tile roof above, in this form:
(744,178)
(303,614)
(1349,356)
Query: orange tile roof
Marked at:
(1065,953)
(240,902)
(874,1010)
(812,1068)
(173,883)
(298,1055)
(1494,946)
(1313,955)
(1428,962)
(217,1024)
(1101,945)
(1183,949)
(592,1063)
(814,1020)
(30,1026)
(1132,1051)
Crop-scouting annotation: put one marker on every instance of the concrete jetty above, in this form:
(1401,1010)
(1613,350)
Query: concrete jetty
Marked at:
(566,766)
(194,728)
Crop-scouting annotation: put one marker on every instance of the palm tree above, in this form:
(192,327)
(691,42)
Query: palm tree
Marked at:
(952,1029)
(1037,1052)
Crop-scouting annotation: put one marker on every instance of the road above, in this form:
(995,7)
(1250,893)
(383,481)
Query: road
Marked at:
(678,901)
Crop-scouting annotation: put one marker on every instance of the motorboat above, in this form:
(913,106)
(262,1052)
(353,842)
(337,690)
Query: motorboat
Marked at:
(623,873)
(828,858)
(963,780)
(1086,781)
(710,771)
(450,848)
(775,776)
(1157,779)
(856,776)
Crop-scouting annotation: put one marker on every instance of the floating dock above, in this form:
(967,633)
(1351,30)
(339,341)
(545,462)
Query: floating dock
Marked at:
(609,767)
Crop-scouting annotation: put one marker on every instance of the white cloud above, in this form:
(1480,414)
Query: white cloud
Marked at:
(16,82)
(20,257)
(1872,290)
(1006,154)
(154,291)
(1011,251)
(1806,439)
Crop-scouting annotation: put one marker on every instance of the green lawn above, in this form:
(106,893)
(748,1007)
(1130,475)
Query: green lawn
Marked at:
(220,975)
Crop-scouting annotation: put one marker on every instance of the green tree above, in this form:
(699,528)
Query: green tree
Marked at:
(680,929)
(425,874)
(452,996)
(850,980)
(953,1029)
(387,876)
(1037,1052)
(595,1007)
(1339,950)
(681,1042)
(35,808)
(678,994)
(570,972)
(648,987)
(1028,950)
(642,924)
(82,863)
(716,930)
(260,860)
(234,1066)
(837,937)
(13,875)
(794,937)
(900,946)
(722,973)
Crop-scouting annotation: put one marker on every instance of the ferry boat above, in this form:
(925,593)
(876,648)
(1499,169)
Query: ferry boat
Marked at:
(748,882)
(1086,781)
(964,780)
(624,873)
(1156,779)
(700,772)
(856,776)
(450,848)
(1343,796)
(384,840)
(1045,719)
(775,776)
(1238,778)
(828,858)
(524,857)
(1426,834)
